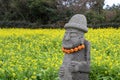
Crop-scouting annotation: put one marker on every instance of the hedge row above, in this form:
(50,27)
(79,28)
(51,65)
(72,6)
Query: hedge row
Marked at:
(23,24)
(105,25)
(19,24)
(12,24)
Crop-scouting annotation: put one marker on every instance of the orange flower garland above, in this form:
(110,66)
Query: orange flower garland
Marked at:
(69,51)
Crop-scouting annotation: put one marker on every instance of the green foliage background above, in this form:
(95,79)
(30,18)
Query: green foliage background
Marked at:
(54,11)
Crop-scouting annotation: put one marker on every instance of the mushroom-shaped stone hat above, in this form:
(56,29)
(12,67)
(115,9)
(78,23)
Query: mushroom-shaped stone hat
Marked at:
(78,21)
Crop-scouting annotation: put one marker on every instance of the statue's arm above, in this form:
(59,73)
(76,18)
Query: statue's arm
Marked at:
(83,66)
(87,52)
(76,66)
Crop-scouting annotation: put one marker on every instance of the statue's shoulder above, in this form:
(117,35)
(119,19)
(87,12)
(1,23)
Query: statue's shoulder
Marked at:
(86,42)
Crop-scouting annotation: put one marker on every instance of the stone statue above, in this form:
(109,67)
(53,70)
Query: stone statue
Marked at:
(76,62)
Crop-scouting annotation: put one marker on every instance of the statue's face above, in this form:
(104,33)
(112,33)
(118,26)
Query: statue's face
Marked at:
(72,38)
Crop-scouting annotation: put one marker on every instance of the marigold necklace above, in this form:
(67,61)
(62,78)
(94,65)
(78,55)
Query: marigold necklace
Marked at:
(69,51)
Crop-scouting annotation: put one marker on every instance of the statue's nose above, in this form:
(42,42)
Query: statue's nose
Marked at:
(67,37)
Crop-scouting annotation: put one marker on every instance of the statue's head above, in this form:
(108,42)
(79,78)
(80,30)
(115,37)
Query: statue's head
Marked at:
(75,29)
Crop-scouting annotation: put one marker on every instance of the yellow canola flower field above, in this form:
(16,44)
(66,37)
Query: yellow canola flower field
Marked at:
(35,54)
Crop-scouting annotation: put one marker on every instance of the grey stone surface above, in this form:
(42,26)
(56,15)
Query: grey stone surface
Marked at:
(76,65)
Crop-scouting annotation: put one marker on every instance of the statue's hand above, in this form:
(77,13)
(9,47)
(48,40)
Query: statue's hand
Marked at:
(74,66)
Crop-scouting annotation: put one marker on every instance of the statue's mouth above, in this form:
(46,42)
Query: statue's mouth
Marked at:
(69,45)
(72,44)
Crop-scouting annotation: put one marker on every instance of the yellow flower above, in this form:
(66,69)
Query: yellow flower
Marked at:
(1,62)
(26,78)
(34,73)
(33,77)
(2,70)
(13,74)
(106,72)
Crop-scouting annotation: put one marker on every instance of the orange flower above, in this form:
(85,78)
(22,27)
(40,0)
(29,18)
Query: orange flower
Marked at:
(83,46)
(75,49)
(68,51)
(71,50)
(79,47)
(63,48)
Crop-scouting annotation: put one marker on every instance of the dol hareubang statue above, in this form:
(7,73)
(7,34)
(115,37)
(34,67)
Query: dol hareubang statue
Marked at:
(76,62)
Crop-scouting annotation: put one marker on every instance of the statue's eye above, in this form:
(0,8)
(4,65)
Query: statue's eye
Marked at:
(73,35)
